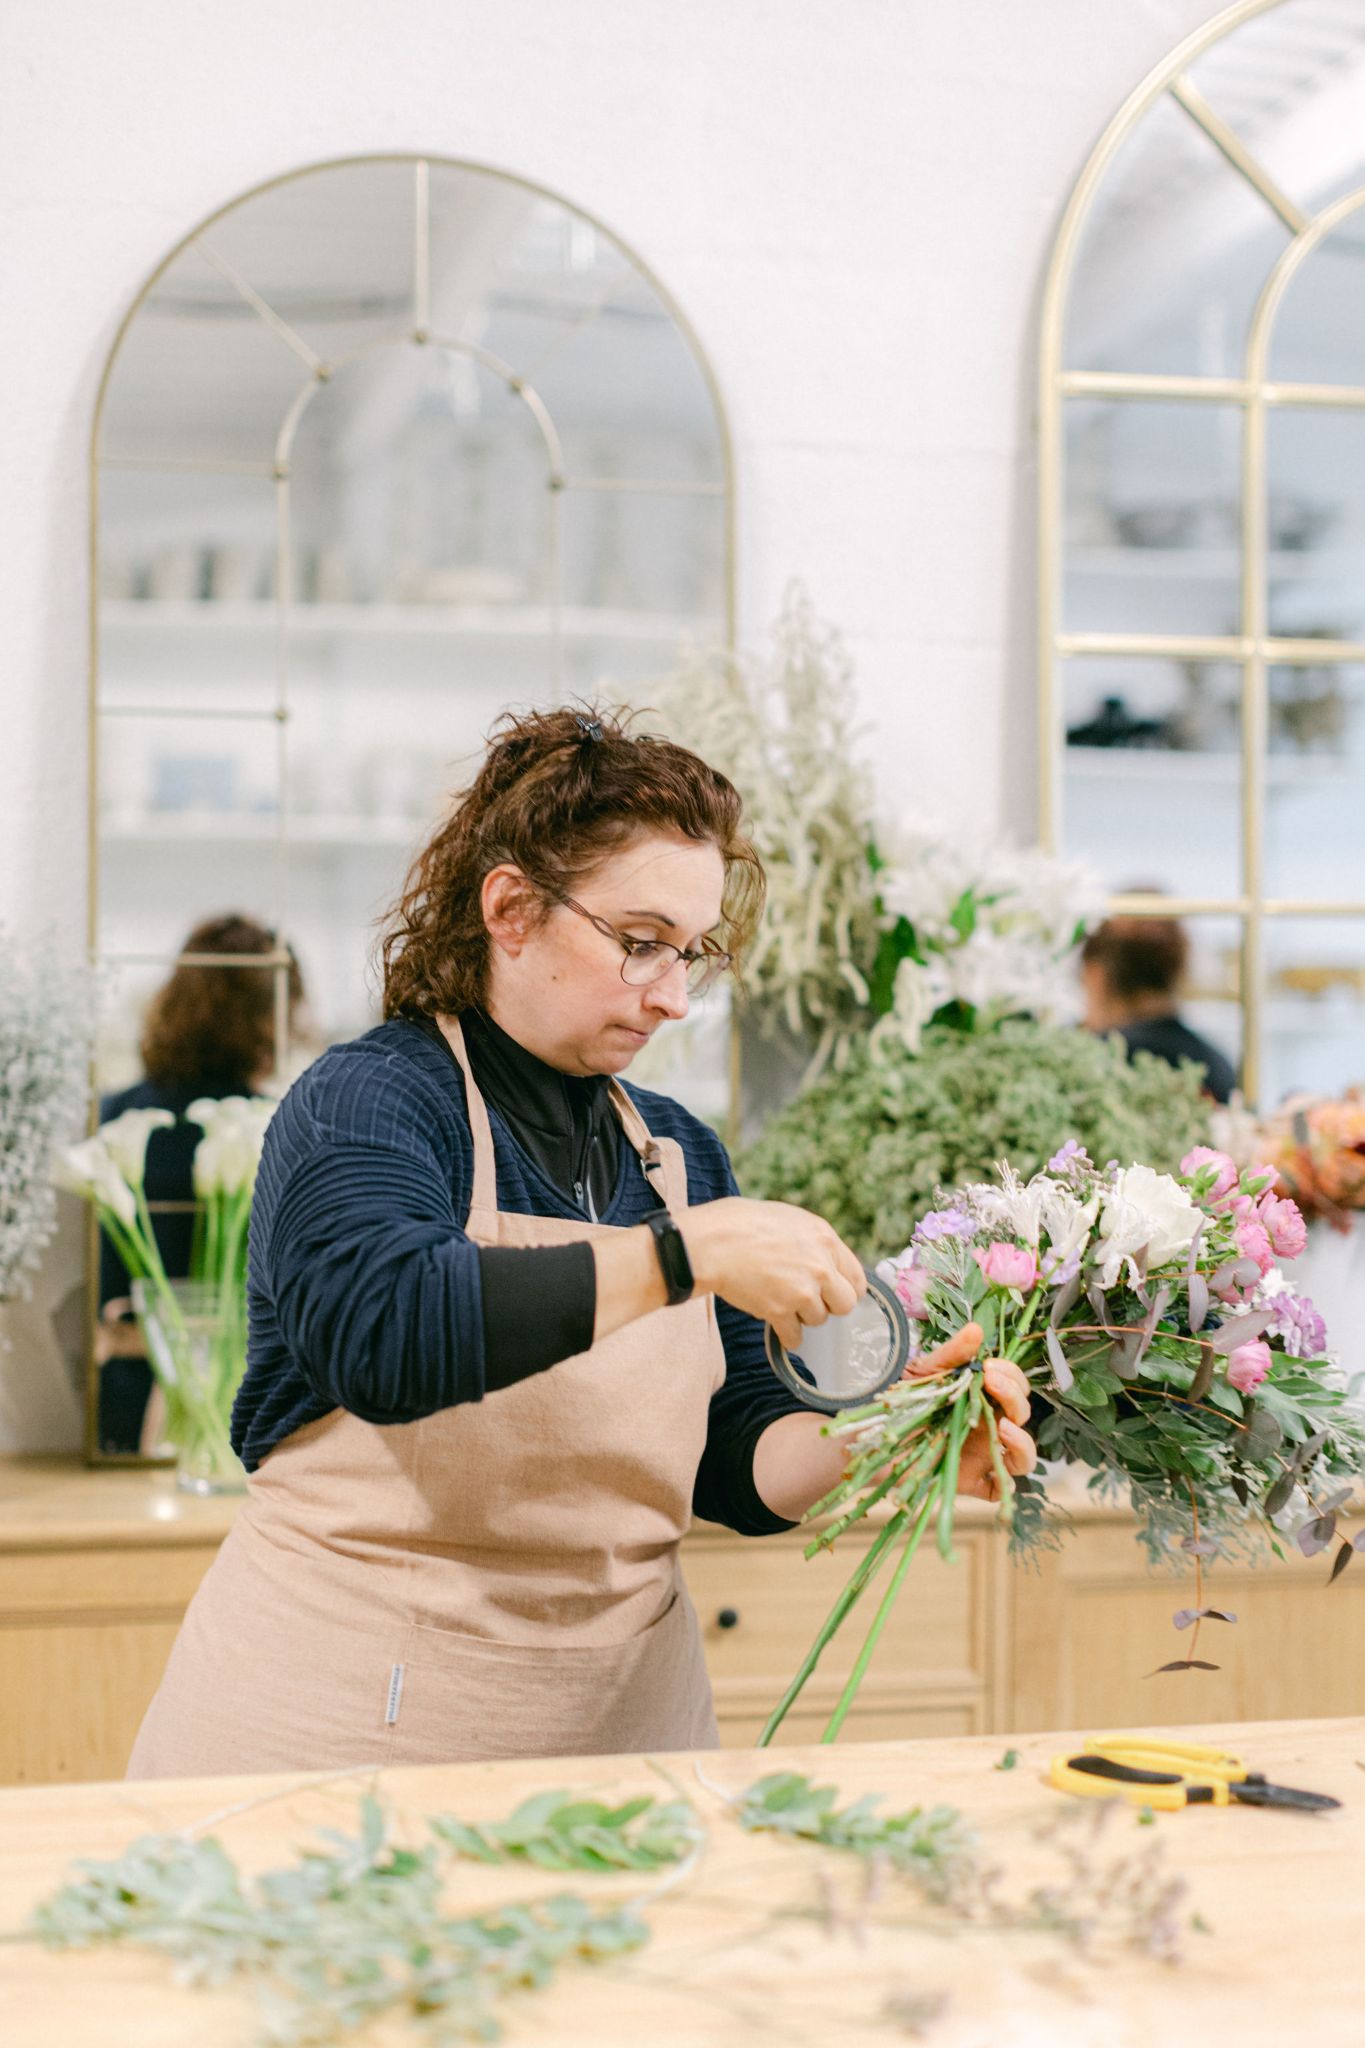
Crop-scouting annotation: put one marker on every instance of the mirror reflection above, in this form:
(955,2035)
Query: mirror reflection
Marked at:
(1209,729)
(383,450)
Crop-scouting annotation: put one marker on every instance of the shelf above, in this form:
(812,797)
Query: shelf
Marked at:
(122,619)
(1166,764)
(226,828)
(1211,565)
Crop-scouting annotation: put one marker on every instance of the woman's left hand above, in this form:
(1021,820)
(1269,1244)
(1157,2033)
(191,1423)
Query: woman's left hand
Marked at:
(1007,1387)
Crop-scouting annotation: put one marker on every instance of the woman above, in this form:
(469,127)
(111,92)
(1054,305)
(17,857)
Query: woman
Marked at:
(507,1313)
(209,1030)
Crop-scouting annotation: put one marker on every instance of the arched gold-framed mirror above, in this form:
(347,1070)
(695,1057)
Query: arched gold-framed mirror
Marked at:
(1202,528)
(382,448)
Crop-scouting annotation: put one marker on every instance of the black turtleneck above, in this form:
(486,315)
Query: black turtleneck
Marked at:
(569,1131)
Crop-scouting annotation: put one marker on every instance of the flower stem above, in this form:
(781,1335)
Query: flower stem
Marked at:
(856,1584)
(1002,1477)
(859,1671)
(965,1414)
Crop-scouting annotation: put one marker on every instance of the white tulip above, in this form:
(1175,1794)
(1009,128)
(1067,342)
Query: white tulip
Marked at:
(88,1170)
(125,1139)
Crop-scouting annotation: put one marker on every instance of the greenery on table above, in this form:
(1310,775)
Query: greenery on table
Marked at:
(868,1148)
(358,1929)
(931,1845)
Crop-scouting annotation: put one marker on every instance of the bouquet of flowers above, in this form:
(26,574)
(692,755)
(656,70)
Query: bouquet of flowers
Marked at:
(194,1329)
(1162,1346)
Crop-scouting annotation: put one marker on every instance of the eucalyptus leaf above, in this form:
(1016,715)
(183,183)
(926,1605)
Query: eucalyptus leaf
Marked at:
(1263,1436)
(1279,1493)
(1198,1292)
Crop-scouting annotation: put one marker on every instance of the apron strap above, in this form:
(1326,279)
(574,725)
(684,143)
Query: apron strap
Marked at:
(485,1190)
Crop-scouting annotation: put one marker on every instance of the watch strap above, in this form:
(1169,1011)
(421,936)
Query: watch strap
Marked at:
(674,1263)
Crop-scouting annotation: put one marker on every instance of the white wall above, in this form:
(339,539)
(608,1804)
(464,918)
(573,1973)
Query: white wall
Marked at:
(852,199)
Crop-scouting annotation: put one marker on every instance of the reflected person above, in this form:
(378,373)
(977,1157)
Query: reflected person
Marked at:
(1131,972)
(209,1031)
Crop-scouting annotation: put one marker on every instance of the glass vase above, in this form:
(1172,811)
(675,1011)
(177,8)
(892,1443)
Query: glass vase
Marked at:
(196,1342)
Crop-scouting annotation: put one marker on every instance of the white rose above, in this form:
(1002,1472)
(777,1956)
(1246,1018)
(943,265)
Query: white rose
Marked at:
(1147,1210)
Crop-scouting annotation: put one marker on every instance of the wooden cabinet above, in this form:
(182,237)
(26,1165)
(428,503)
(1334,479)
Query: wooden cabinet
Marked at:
(97,1568)
(96,1571)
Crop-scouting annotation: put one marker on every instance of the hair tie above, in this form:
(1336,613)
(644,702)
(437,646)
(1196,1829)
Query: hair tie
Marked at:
(588,727)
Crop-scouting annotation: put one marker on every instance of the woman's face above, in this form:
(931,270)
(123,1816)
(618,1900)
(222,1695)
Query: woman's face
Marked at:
(556,985)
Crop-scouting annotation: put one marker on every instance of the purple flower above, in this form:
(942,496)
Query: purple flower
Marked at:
(1297,1324)
(1072,1154)
(943,1223)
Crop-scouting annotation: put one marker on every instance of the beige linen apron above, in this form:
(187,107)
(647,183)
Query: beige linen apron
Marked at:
(500,1579)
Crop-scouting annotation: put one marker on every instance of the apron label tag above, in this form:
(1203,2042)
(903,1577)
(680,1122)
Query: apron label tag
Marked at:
(395,1695)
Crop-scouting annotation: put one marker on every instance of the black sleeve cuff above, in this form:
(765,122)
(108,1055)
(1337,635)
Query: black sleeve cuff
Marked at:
(539,1306)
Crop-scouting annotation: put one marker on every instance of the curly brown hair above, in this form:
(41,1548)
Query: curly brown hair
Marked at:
(216,1024)
(558,792)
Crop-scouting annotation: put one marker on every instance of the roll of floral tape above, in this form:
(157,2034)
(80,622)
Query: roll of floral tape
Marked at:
(851,1359)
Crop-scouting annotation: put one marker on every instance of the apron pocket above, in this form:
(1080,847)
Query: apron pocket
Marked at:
(464,1699)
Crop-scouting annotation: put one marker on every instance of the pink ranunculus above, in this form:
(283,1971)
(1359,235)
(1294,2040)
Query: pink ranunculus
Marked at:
(912,1288)
(1205,1155)
(1283,1223)
(1248,1366)
(1253,1242)
(1008,1265)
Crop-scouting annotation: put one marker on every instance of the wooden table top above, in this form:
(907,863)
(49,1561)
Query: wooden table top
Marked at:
(59,1503)
(772,1942)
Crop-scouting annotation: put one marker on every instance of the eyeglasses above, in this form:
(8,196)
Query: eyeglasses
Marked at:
(649,960)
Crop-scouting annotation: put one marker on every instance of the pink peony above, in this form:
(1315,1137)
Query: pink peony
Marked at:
(1204,1155)
(912,1287)
(1253,1241)
(1008,1265)
(1283,1223)
(1248,1366)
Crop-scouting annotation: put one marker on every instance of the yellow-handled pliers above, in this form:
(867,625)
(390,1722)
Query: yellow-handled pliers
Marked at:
(1169,1775)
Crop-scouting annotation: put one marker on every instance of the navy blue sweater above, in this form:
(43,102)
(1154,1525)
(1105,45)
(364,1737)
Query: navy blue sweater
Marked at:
(364,1291)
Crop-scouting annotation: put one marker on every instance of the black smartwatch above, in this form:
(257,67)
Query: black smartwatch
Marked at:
(674,1263)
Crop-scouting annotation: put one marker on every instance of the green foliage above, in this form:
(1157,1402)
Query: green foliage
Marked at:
(556,1832)
(933,1845)
(867,1148)
(356,1928)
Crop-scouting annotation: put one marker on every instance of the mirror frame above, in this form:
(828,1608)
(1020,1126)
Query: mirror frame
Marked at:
(1253,649)
(420,162)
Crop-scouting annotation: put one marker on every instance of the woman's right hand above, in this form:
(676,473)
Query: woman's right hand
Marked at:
(773,1260)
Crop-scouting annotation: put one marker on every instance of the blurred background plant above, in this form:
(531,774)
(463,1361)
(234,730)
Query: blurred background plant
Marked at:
(869,1148)
(45,1011)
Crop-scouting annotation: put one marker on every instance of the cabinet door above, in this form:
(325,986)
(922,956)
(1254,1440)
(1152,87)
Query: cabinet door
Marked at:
(760,1604)
(84,1638)
(1093,1625)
